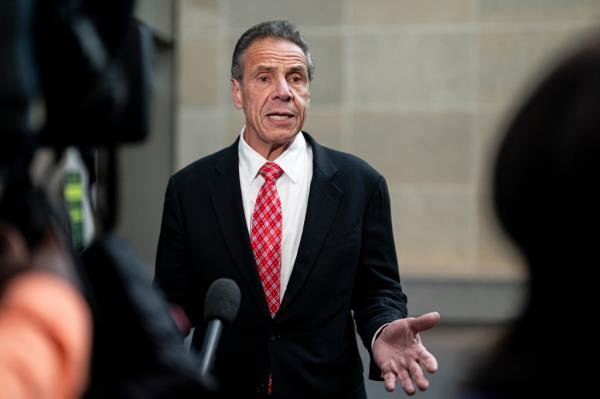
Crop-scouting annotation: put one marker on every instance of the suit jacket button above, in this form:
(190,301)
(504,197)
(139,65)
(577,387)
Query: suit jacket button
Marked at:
(273,337)
(261,388)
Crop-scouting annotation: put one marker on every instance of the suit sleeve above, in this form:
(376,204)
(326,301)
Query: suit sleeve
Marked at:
(378,296)
(173,271)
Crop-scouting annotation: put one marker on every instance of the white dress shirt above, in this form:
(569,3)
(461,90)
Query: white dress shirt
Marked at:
(293,188)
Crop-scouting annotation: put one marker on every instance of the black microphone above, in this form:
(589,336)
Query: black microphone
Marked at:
(220,308)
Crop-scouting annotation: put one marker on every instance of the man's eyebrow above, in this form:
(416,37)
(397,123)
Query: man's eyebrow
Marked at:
(263,68)
(292,69)
(297,68)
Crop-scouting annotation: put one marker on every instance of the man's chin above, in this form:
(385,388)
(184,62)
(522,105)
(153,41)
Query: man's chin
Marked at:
(283,135)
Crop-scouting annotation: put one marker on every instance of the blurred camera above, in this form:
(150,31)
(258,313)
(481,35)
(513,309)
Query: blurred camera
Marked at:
(72,73)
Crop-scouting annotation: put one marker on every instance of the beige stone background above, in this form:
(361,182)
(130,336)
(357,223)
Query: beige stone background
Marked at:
(418,88)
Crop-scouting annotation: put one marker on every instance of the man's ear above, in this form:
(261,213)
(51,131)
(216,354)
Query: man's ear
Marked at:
(236,93)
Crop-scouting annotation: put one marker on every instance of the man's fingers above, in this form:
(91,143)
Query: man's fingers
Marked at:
(425,322)
(406,382)
(389,381)
(417,375)
(428,361)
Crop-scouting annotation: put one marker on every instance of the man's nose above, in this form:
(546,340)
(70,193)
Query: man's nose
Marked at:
(282,90)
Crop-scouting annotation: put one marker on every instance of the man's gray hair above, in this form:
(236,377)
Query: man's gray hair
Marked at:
(277,29)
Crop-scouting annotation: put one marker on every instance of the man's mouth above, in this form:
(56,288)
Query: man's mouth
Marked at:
(280,116)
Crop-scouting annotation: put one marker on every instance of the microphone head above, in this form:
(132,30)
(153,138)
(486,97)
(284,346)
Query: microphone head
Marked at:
(222,300)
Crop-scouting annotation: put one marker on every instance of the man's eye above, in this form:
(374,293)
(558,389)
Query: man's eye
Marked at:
(263,79)
(296,79)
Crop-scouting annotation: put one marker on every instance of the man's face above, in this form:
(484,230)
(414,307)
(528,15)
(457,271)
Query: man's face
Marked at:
(274,93)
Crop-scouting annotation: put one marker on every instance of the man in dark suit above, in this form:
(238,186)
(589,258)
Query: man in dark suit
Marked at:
(306,233)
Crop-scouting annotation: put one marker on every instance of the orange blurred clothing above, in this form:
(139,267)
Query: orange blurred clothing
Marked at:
(45,338)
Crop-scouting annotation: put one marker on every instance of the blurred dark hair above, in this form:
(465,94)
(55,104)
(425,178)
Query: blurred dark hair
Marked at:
(277,29)
(548,164)
(545,196)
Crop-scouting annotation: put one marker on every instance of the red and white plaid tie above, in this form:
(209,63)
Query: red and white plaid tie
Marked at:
(266,235)
(266,238)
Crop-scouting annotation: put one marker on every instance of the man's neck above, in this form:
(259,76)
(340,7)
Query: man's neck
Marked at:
(268,151)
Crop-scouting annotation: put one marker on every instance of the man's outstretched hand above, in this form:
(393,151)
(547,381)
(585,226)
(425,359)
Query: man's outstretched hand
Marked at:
(399,353)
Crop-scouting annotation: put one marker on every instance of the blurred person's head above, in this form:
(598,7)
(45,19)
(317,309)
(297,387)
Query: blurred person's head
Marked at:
(547,172)
(545,196)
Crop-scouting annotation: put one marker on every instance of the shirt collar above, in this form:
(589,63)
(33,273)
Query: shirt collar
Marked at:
(290,161)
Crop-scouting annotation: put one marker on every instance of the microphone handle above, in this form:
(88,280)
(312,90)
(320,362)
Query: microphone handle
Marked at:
(209,348)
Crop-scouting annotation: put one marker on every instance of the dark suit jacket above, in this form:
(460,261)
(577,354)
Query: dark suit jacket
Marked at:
(346,263)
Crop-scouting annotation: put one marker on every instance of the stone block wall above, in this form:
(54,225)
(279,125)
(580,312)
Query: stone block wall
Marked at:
(418,88)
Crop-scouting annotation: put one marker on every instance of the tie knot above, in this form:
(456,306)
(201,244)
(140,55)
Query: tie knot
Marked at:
(270,171)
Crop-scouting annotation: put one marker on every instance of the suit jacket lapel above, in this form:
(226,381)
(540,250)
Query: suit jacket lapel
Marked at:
(226,196)
(323,202)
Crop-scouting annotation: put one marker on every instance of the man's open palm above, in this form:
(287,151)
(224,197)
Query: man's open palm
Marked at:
(399,353)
